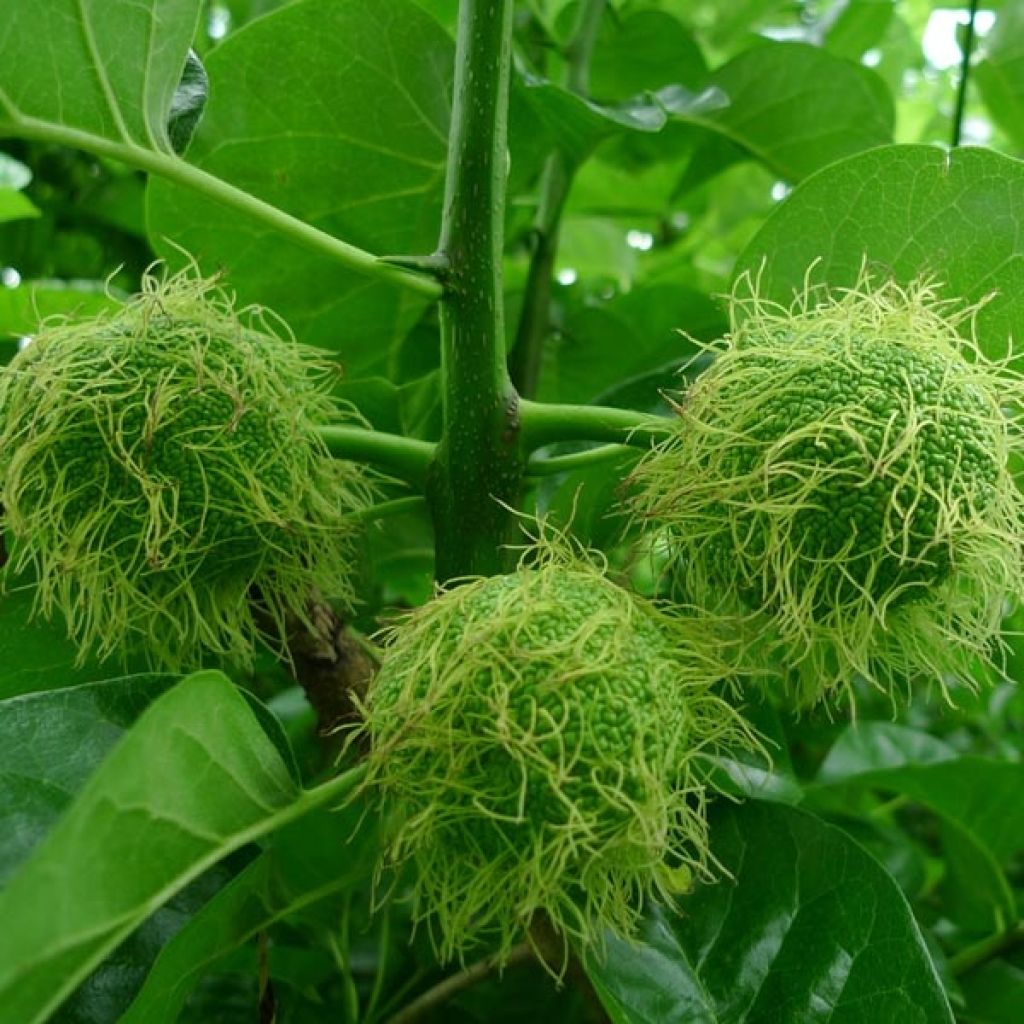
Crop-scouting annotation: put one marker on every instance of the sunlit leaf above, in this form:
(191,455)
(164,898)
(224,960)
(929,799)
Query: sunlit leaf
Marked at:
(909,211)
(338,114)
(120,62)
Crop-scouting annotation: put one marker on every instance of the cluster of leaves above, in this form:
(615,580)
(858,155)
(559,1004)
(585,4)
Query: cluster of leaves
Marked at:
(169,841)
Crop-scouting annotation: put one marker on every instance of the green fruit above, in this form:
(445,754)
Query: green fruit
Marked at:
(840,475)
(163,478)
(543,736)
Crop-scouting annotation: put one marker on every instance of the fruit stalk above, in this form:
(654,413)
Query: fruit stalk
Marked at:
(547,422)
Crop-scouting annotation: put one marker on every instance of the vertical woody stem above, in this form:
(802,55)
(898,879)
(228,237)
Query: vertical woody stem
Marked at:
(478,465)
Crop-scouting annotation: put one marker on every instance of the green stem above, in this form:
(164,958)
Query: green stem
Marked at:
(544,423)
(540,466)
(965,73)
(478,467)
(442,992)
(387,509)
(174,169)
(535,317)
(383,948)
(556,180)
(406,457)
(985,950)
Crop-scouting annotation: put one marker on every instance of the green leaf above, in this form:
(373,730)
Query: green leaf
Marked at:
(980,795)
(244,11)
(188,103)
(893,759)
(857,26)
(595,248)
(755,778)
(651,981)
(195,778)
(808,928)
(15,206)
(50,743)
(337,114)
(907,210)
(312,860)
(994,993)
(119,64)
(37,655)
(569,121)
(445,11)
(637,333)
(794,107)
(23,308)
(661,52)
(1000,76)
(868,746)
(977,894)
(589,501)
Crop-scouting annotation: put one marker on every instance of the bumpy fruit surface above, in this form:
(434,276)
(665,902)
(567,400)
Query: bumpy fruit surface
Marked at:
(841,474)
(543,736)
(163,478)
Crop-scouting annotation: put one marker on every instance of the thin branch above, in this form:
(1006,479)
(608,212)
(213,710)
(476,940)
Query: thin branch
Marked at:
(554,464)
(442,992)
(174,169)
(387,509)
(544,423)
(556,180)
(987,949)
(405,457)
(965,71)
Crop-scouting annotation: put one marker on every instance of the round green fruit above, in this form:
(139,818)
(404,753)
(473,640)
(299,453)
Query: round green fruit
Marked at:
(840,476)
(544,738)
(163,479)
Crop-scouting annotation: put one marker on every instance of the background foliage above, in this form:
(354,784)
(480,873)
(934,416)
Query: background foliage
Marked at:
(873,872)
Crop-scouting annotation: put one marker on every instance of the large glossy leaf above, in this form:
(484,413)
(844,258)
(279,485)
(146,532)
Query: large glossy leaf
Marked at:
(338,114)
(119,63)
(909,211)
(808,929)
(195,778)
(312,860)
